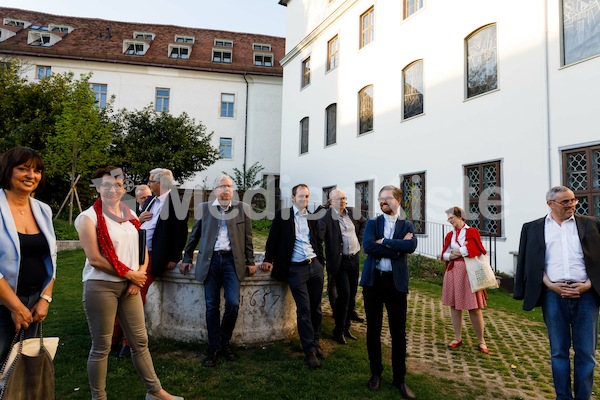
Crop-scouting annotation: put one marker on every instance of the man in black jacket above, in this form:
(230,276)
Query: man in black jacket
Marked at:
(294,254)
(342,230)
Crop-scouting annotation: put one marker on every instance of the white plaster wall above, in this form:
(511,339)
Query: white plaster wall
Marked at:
(509,124)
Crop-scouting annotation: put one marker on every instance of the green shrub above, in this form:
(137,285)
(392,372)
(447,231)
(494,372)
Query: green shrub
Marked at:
(428,269)
(261,224)
(64,231)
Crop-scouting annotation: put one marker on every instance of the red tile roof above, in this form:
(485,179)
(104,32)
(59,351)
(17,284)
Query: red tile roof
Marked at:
(89,41)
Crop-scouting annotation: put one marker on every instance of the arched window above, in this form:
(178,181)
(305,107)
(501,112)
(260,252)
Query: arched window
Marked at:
(413,89)
(365,110)
(482,61)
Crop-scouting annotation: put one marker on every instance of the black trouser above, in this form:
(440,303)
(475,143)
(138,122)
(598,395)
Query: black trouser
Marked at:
(383,292)
(346,283)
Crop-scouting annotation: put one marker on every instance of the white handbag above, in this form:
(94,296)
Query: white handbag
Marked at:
(481,275)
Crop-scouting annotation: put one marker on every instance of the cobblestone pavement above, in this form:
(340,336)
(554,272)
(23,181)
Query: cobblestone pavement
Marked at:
(518,366)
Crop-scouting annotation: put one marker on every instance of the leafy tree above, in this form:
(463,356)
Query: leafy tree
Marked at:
(146,139)
(82,135)
(245,179)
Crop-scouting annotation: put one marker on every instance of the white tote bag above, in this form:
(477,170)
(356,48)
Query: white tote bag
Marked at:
(481,275)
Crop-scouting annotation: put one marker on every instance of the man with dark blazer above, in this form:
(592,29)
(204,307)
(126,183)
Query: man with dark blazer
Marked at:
(294,254)
(387,241)
(558,268)
(341,230)
(226,253)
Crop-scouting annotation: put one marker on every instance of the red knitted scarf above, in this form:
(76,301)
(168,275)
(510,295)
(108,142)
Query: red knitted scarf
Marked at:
(104,240)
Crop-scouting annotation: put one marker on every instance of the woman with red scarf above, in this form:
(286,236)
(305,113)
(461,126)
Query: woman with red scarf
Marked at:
(112,278)
(462,241)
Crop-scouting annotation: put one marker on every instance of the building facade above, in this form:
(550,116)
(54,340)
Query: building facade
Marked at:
(477,103)
(229,81)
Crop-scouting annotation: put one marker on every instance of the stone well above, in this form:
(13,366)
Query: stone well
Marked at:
(175,309)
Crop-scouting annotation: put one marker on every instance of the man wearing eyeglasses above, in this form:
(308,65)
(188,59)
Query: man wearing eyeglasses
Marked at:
(342,230)
(558,268)
(225,255)
(387,241)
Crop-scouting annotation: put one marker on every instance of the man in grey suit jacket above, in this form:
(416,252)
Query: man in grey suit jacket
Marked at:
(224,231)
(558,268)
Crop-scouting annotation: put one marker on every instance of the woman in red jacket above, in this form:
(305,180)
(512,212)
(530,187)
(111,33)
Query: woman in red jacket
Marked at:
(462,241)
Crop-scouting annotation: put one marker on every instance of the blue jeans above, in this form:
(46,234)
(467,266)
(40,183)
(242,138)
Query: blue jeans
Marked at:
(306,285)
(572,321)
(221,274)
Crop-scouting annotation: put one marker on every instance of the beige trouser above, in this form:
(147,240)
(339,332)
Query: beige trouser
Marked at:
(102,300)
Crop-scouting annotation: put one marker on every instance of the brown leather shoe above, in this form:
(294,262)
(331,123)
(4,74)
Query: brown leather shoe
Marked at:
(374,383)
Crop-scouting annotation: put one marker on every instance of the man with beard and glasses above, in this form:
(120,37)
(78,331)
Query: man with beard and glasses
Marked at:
(387,241)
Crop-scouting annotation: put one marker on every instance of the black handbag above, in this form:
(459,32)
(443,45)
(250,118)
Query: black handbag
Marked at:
(29,377)
(142,254)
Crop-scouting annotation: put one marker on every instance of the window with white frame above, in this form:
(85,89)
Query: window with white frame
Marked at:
(222,56)
(333,53)
(413,199)
(179,52)
(223,43)
(227,105)
(43,71)
(263,60)
(411,7)
(39,39)
(484,198)
(16,22)
(225,148)
(413,89)
(143,35)
(100,91)
(60,28)
(184,39)
(260,46)
(482,61)
(132,48)
(330,124)
(365,110)
(580,30)
(367,27)
(162,99)
(304,135)
(306,72)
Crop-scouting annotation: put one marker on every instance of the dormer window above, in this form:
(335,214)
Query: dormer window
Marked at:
(16,22)
(260,46)
(263,60)
(184,39)
(223,43)
(38,38)
(39,28)
(134,48)
(143,35)
(5,34)
(60,28)
(222,56)
(181,52)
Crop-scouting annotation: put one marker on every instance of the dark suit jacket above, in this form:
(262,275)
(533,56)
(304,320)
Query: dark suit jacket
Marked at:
(206,230)
(280,243)
(331,234)
(396,249)
(169,236)
(531,261)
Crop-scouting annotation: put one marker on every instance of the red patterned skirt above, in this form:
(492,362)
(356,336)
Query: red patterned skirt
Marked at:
(456,291)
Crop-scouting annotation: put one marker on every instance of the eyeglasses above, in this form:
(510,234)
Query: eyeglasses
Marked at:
(108,186)
(567,203)
(386,199)
(340,198)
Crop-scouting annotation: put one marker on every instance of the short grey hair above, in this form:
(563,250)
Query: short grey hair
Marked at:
(141,188)
(334,191)
(164,176)
(220,178)
(551,194)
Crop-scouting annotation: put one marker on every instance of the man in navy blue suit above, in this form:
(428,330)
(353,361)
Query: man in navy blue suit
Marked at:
(387,241)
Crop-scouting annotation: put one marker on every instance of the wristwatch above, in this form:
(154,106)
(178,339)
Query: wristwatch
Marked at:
(46,297)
